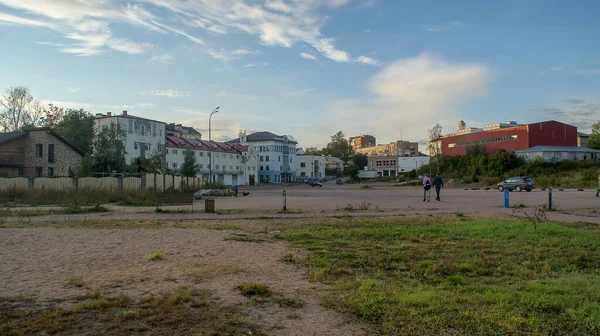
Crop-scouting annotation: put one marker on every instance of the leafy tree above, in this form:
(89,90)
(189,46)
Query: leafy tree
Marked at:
(313,151)
(594,140)
(109,149)
(87,167)
(434,145)
(188,168)
(77,126)
(20,109)
(338,146)
(360,160)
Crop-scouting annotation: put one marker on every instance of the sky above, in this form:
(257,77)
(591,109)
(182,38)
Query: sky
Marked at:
(309,68)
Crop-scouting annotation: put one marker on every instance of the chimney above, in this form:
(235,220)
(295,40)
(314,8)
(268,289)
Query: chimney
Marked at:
(125,113)
(109,114)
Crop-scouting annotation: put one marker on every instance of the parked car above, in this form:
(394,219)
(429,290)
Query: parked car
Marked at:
(314,183)
(339,181)
(516,183)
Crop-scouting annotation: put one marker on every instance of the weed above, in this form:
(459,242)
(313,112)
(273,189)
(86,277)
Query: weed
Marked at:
(289,211)
(293,316)
(459,214)
(156,255)
(290,302)
(123,315)
(243,238)
(455,280)
(253,288)
(74,282)
(288,258)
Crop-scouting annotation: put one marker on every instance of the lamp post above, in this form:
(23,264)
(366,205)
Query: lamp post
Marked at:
(210,178)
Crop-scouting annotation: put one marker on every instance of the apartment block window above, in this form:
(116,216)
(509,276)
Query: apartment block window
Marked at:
(174,164)
(302,164)
(200,166)
(50,171)
(266,167)
(261,158)
(279,158)
(39,150)
(51,153)
(302,174)
(237,167)
(201,153)
(174,151)
(267,158)
(237,156)
(261,168)
(38,171)
(142,130)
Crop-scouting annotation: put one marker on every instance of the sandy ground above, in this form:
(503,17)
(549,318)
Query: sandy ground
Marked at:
(39,262)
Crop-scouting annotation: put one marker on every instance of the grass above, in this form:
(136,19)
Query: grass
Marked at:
(179,312)
(83,197)
(243,238)
(288,258)
(249,288)
(290,211)
(426,276)
(74,282)
(156,255)
(70,210)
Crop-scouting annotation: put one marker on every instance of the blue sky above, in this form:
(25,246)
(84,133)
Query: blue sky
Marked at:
(310,68)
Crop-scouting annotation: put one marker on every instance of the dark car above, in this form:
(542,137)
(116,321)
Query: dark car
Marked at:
(314,183)
(516,183)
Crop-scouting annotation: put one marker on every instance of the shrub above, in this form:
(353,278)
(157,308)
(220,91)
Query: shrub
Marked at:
(253,288)
(156,255)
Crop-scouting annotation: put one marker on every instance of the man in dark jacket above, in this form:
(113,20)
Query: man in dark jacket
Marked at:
(438,183)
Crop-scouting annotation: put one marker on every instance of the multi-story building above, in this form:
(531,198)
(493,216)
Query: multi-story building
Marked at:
(310,166)
(509,136)
(362,141)
(38,152)
(333,164)
(232,163)
(142,136)
(276,155)
(582,139)
(181,131)
(397,148)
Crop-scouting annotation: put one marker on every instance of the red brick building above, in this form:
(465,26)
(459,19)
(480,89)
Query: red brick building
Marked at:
(510,138)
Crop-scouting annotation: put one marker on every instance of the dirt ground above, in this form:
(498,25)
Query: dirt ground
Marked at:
(39,262)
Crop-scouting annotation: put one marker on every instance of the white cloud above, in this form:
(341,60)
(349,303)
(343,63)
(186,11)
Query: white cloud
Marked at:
(298,92)
(164,59)
(128,46)
(367,60)
(148,105)
(169,93)
(11,19)
(419,91)
(446,26)
(367,30)
(308,56)
(229,55)
(250,65)
(72,89)
(587,72)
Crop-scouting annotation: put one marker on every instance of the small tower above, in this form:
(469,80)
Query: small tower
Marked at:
(462,125)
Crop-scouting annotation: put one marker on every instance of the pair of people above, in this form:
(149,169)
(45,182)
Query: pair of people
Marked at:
(438,183)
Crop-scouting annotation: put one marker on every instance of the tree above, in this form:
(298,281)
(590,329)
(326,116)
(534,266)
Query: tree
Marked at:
(594,140)
(360,161)
(313,151)
(109,149)
(16,101)
(434,145)
(188,168)
(76,126)
(338,146)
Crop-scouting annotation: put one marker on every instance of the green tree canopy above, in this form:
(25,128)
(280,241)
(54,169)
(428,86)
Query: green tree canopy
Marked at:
(360,160)
(188,168)
(109,149)
(77,126)
(594,140)
(338,146)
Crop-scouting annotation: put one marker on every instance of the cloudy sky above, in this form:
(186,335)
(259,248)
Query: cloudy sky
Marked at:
(309,68)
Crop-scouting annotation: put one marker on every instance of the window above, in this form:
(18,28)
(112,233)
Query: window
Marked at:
(302,164)
(201,153)
(290,160)
(261,158)
(38,171)
(280,168)
(279,158)
(20,172)
(174,164)
(302,174)
(143,130)
(50,171)
(266,167)
(217,167)
(200,166)
(174,151)
(261,168)
(267,158)
(216,154)
(237,167)
(51,153)
(39,150)
(237,156)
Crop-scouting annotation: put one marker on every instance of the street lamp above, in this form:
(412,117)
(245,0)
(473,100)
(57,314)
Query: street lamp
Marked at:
(210,177)
(416,167)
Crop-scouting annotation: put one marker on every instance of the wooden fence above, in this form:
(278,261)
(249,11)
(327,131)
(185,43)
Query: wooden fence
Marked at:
(160,183)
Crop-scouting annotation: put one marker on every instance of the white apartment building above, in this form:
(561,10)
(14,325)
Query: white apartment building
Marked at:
(232,163)
(276,155)
(310,166)
(143,136)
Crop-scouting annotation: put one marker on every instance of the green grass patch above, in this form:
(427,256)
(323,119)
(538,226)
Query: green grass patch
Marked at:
(243,238)
(430,277)
(70,210)
(156,255)
(250,288)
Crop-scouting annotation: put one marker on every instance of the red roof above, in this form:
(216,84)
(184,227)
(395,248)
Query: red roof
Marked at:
(194,144)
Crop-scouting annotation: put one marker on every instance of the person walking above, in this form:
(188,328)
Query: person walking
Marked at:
(426,188)
(438,183)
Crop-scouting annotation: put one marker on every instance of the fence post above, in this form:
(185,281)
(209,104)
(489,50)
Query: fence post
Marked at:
(120,183)
(164,182)
(550,199)
(31,183)
(284,201)
(76,184)
(143,181)
(173,177)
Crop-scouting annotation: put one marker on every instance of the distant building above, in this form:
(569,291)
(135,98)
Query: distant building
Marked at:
(334,164)
(557,153)
(232,163)
(582,139)
(395,165)
(509,136)
(38,152)
(143,137)
(362,141)
(183,131)
(276,155)
(397,148)
(310,166)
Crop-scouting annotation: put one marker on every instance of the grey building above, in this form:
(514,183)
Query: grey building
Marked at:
(558,153)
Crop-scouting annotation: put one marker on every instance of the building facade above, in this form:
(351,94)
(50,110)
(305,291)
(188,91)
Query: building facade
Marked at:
(143,137)
(38,152)
(396,165)
(510,137)
(310,166)
(233,164)
(181,131)
(397,148)
(362,141)
(582,139)
(557,153)
(276,155)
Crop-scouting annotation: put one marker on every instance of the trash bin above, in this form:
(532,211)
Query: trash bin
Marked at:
(209,205)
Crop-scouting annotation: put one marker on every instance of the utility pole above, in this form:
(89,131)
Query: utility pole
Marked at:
(210,158)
